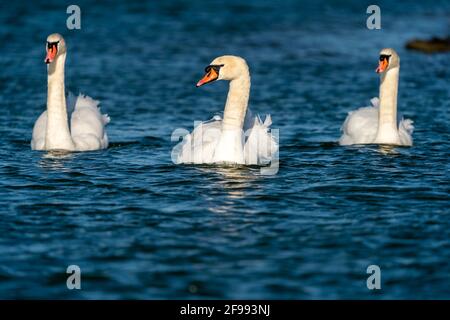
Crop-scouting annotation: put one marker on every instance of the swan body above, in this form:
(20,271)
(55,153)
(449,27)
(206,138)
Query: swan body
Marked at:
(209,144)
(236,138)
(361,127)
(377,124)
(87,125)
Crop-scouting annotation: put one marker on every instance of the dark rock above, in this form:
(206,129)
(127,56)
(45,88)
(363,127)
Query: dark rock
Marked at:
(434,45)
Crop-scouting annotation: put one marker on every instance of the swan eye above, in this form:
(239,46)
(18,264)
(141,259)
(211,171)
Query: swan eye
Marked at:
(51,45)
(215,67)
(385,57)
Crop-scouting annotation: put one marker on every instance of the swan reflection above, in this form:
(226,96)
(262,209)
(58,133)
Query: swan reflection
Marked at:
(56,160)
(233,183)
(387,149)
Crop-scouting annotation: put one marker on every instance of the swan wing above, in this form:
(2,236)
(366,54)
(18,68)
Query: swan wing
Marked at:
(360,126)
(199,146)
(405,130)
(260,146)
(88,125)
(39,129)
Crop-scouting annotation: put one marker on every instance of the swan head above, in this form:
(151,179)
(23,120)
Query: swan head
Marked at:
(224,68)
(55,46)
(389,59)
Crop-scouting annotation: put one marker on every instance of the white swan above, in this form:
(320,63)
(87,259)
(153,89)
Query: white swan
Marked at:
(51,130)
(377,124)
(238,138)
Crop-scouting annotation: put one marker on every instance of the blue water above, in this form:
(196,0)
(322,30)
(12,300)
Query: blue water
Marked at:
(141,227)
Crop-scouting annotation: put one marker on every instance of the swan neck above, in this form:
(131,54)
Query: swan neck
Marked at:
(56,101)
(237,102)
(57,133)
(388,98)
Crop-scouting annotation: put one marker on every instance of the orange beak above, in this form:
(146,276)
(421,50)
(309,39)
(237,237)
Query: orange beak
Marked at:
(51,54)
(382,66)
(210,76)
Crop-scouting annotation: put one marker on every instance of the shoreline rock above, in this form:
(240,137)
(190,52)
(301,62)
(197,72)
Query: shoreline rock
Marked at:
(433,45)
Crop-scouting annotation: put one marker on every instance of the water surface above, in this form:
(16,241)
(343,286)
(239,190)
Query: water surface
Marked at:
(141,227)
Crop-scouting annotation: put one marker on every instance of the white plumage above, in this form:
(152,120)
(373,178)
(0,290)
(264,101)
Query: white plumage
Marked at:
(237,137)
(87,126)
(255,144)
(52,130)
(378,124)
(361,126)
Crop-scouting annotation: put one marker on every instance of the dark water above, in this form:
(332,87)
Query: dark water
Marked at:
(141,227)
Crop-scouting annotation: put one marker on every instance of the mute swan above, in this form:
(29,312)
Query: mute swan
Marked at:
(238,138)
(377,124)
(51,130)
